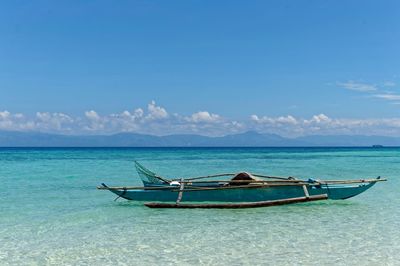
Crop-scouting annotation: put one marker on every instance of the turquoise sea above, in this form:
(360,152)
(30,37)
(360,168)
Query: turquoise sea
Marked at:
(52,214)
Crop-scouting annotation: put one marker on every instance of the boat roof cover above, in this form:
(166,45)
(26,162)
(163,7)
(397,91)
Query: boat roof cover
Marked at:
(244,176)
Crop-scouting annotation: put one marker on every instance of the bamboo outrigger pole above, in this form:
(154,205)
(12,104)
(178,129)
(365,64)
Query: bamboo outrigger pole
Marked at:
(193,188)
(236,205)
(204,177)
(233,174)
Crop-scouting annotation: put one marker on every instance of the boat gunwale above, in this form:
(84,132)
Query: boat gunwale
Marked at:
(248,186)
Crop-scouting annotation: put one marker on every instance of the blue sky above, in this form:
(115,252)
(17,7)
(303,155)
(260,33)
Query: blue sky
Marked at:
(213,67)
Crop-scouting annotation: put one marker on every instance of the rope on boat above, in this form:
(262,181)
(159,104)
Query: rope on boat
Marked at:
(149,175)
(327,187)
(123,193)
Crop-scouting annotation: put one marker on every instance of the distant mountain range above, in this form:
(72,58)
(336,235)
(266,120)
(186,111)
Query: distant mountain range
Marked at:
(247,139)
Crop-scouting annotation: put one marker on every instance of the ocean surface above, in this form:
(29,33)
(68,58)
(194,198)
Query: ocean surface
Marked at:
(52,214)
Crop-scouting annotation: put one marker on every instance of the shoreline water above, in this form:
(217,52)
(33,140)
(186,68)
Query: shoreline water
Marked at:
(52,213)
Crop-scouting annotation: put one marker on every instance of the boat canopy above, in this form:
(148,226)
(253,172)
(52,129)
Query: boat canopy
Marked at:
(242,176)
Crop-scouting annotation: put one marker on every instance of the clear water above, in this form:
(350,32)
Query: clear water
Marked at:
(51,213)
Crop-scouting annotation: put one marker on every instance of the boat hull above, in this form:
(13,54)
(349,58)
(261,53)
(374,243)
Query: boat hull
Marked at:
(334,192)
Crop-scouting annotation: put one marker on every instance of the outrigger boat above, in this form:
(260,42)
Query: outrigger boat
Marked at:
(241,190)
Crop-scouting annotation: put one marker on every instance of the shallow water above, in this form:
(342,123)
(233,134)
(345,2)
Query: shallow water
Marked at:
(51,212)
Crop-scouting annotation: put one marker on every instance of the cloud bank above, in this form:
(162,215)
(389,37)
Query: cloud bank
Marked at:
(156,120)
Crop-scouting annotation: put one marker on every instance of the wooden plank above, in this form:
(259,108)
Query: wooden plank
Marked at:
(180,192)
(236,205)
(306,191)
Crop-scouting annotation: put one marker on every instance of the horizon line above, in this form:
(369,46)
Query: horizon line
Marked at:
(188,134)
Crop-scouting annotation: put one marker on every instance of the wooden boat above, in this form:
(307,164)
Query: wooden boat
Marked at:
(241,190)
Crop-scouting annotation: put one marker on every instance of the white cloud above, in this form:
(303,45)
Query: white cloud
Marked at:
(92,115)
(373,89)
(4,115)
(255,118)
(274,120)
(390,97)
(156,112)
(156,120)
(389,84)
(357,86)
(42,122)
(322,124)
(287,120)
(138,112)
(136,121)
(125,121)
(95,122)
(53,121)
(321,118)
(204,117)
(19,116)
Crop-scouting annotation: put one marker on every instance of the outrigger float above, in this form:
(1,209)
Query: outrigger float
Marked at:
(241,190)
